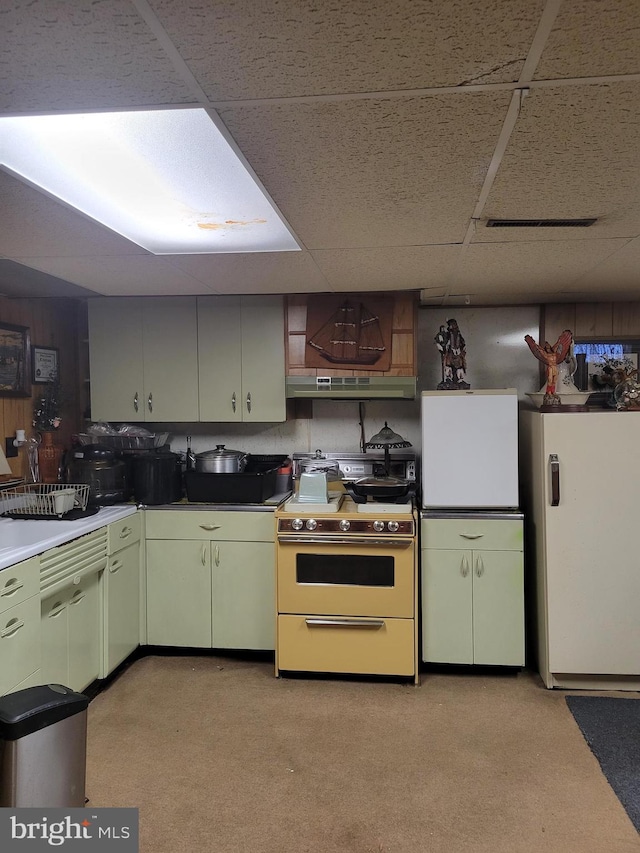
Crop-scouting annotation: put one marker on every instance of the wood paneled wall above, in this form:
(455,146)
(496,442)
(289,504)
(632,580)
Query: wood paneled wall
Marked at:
(404,338)
(595,320)
(51,323)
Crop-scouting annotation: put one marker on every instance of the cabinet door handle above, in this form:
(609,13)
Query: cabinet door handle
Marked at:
(479,567)
(126,531)
(115,567)
(77,598)
(472,535)
(464,567)
(136,400)
(249,401)
(345,623)
(233,401)
(150,402)
(203,555)
(56,610)
(13,626)
(217,555)
(210,526)
(11,587)
(554,464)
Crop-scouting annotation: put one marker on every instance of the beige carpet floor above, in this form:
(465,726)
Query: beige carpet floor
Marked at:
(218,755)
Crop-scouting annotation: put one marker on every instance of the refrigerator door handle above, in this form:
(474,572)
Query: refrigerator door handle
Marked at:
(554,465)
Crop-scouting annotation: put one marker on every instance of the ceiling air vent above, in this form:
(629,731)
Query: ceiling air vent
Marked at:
(540,223)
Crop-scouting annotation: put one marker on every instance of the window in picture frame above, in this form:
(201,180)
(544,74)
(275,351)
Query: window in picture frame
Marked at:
(601,359)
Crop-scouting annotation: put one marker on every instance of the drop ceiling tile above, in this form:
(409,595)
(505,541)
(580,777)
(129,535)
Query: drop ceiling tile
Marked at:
(406,268)
(255,272)
(36,224)
(132,276)
(538,269)
(373,173)
(618,271)
(246,49)
(85,54)
(574,152)
(591,38)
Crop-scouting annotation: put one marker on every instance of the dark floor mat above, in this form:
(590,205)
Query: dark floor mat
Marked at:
(611,727)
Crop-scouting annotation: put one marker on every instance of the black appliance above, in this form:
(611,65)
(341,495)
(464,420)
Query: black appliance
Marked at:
(157,477)
(101,470)
(255,484)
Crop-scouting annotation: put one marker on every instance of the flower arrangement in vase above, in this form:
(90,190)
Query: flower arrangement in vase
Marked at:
(46,420)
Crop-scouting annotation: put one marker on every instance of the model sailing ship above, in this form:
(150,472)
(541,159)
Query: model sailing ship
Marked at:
(352,335)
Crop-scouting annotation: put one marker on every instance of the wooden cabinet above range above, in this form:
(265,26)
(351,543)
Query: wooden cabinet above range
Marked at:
(391,316)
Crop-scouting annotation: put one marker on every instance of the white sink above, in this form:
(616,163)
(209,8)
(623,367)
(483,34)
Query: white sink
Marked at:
(21,534)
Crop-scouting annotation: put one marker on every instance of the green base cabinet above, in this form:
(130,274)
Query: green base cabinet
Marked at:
(19,625)
(243,596)
(71,641)
(210,579)
(472,597)
(121,593)
(178,593)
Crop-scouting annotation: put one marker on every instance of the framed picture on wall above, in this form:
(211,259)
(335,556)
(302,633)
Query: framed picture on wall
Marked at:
(15,361)
(44,361)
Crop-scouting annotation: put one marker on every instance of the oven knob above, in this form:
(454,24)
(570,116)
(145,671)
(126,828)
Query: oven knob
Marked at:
(393,526)
(311,524)
(297,524)
(378,526)
(344,524)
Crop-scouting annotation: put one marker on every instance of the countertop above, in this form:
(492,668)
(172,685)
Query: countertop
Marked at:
(269,505)
(20,539)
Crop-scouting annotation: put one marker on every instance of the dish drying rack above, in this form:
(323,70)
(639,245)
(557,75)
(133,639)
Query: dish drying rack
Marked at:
(44,500)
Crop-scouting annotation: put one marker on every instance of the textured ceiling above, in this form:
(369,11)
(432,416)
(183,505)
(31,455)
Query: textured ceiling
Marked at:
(385,133)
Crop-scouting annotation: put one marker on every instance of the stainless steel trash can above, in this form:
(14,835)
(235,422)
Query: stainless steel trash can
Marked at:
(43,748)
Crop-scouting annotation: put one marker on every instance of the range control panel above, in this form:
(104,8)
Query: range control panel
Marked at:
(319,526)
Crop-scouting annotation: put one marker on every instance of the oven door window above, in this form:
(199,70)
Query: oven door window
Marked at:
(351,570)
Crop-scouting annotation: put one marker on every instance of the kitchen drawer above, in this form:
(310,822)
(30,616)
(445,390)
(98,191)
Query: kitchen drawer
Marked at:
(472,533)
(368,646)
(19,582)
(19,643)
(124,532)
(214,524)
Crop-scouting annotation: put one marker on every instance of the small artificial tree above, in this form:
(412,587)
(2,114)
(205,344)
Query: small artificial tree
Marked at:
(46,410)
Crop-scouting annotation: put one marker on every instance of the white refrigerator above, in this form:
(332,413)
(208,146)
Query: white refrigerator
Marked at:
(582,474)
(470,449)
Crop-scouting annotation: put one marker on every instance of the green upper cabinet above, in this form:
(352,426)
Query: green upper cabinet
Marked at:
(143,359)
(241,358)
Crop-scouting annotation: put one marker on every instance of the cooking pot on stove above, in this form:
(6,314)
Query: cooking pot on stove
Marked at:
(380,488)
(221,461)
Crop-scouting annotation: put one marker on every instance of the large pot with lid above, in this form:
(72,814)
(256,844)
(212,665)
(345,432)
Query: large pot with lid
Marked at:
(221,461)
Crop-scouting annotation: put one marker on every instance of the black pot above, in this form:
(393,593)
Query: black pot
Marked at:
(388,489)
(157,478)
(101,471)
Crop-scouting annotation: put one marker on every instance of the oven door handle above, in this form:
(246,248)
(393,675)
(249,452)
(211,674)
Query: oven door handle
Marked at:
(344,540)
(345,623)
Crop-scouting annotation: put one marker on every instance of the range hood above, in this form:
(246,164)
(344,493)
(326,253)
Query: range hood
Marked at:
(351,387)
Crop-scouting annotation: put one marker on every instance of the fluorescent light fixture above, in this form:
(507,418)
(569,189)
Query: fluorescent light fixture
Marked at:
(166,179)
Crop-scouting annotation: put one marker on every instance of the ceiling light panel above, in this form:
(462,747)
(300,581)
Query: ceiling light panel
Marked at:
(165,179)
